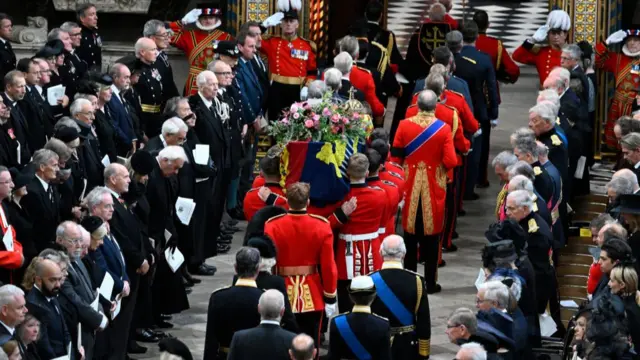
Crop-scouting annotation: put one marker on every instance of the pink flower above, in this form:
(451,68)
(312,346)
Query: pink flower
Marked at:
(316,117)
(334,129)
(335,118)
(306,106)
(285,121)
(317,124)
(356,116)
(345,120)
(294,108)
(309,123)
(326,112)
(296,116)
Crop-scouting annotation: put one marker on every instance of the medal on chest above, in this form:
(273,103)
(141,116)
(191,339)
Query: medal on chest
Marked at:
(11,134)
(98,40)
(156,74)
(300,54)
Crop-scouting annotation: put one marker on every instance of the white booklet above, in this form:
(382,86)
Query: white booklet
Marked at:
(7,239)
(106,288)
(201,154)
(54,94)
(174,258)
(184,209)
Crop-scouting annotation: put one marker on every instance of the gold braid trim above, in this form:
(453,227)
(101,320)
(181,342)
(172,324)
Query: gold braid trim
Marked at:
(424,347)
(418,292)
(424,118)
(456,123)
(427,211)
(441,177)
(418,179)
(502,195)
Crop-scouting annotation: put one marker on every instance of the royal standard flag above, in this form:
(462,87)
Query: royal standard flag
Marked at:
(321,164)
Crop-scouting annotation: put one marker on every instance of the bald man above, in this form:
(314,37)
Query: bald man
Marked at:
(149,86)
(42,301)
(302,348)
(410,320)
(629,175)
(471,351)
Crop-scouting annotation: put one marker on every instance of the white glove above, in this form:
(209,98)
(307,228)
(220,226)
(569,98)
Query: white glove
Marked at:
(192,16)
(494,123)
(541,34)
(331,309)
(304,92)
(477,133)
(273,20)
(616,37)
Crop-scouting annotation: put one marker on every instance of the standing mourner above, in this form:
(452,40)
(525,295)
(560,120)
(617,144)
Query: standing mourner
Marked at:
(149,87)
(156,31)
(90,49)
(195,35)
(7,56)
(292,62)
(424,144)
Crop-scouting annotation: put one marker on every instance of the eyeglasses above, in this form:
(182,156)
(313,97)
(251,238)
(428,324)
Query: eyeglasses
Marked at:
(88,114)
(75,34)
(452,326)
(480,301)
(225,73)
(162,36)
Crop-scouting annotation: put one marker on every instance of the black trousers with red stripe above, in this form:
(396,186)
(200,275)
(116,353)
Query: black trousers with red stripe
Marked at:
(310,323)
(429,250)
(451,209)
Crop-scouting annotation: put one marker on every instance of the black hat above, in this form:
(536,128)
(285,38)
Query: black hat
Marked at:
(255,227)
(91,223)
(635,32)
(503,250)
(508,230)
(142,162)
(21,178)
(628,203)
(264,244)
(87,87)
(175,347)
(209,8)
(66,134)
(291,14)
(104,80)
(50,49)
(131,62)
(226,47)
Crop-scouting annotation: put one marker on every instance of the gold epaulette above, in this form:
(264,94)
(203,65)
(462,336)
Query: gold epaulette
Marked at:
(533,225)
(469,60)
(275,217)
(318,217)
(364,69)
(312,43)
(376,188)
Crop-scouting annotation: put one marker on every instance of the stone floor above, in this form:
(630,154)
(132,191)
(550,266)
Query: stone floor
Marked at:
(457,278)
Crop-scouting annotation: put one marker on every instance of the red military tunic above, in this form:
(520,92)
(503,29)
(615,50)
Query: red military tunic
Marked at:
(453,23)
(450,116)
(499,57)
(362,80)
(258,181)
(304,242)
(394,173)
(457,101)
(358,251)
(10,259)
(291,62)
(197,44)
(252,202)
(544,58)
(393,200)
(426,163)
(627,82)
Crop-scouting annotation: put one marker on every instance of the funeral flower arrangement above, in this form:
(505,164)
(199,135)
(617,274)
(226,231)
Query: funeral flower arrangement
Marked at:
(322,121)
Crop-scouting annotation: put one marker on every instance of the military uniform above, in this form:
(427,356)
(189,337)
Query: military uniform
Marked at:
(371,331)
(386,38)
(252,202)
(90,49)
(309,271)
(558,157)
(539,252)
(506,70)
(362,79)
(230,309)
(543,183)
(393,200)
(424,145)
(402,298)
(393,174)
(163,65)
(7,60)
(149,89)
(71,72)
(544,58)
(292,65)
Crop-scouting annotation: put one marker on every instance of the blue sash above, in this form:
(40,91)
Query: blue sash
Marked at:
(350,339)
(424,136)
(391,301)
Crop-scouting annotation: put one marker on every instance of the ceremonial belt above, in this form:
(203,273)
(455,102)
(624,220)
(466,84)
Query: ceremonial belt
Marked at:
(297,270)
(350,339)
(150,108)
(391,301)
(382,230)
(288,80)
(358,237)
(402,330)
(424,136)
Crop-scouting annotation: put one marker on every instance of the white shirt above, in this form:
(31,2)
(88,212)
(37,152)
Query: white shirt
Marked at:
(115,91)
(637,165)
(3,40)
(9,329)
(272,322)
(113,193)
(164,142)
(45,185)
(206,102)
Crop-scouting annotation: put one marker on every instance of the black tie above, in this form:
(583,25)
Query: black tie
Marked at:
(50,193)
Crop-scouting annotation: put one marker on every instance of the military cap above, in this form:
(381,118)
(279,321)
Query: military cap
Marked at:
(175,347)
(362,284)
(226,47)
(142,162)
(91,223)
(290,14)
(66,134)
(264,244)
(209,8)
(21,178)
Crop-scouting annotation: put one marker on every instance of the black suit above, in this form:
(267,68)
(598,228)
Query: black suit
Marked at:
(106,132)
(54,335)
(22,223)
(20,128)
(9,155)
(38,201)
(266,341)
(372,331)
(163,65)
(261,70)
(40,126)
(7,60)
(6,336)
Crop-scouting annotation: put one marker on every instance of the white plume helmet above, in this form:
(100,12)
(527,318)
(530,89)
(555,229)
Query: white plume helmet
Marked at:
(559,19)
(286,5)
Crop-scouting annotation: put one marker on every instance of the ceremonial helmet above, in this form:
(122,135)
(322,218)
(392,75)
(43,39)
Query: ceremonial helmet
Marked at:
(289,8)
(559,20)
(210,8)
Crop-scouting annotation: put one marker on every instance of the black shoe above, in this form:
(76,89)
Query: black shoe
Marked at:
(161,324)
(434,289)
(161,334)
(188,290)
(442,264)
(483,185)
(450,249)
(166,317)
(135,348)
(146,336)
(226,237)
(461,212)
(229,229)
(210,267)
(224,241)
(187,283)
(232,222)
(471,197)
(455,235)
(223,249)
(203,271)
